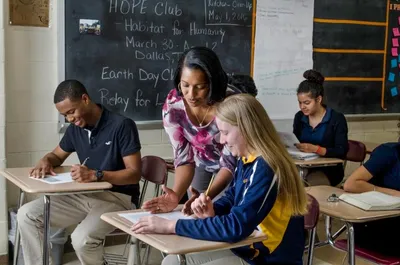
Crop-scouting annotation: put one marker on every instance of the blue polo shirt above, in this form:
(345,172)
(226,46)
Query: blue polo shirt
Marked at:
(315,135)
(384,166)
(112,138)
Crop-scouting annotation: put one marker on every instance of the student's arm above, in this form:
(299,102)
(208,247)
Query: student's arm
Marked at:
(243,217)
(341,140)
(46,165)
(56,157)
(358,182)
(381,161)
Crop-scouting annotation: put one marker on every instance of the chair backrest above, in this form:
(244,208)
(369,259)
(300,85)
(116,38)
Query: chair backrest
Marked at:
(357,151)
(311,218)
(154,169)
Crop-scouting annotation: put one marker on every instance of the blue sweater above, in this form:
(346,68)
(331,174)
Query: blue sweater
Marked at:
(251,202)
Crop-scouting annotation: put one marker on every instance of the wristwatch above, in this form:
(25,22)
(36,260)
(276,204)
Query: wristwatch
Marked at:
(99,175)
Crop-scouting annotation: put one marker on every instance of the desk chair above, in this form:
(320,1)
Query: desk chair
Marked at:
(154,170)
(310,224)
(357,152)
(368,255)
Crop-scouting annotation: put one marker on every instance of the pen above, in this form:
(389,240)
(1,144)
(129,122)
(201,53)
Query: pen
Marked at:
(209,185)
(84,161)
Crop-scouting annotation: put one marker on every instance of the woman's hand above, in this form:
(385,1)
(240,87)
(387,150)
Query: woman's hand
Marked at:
(307,148)
(203,207)
(154,225)
(162,204)
(187,209)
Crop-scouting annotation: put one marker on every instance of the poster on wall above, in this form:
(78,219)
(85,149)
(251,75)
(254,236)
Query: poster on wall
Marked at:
(29,13)
(283,51)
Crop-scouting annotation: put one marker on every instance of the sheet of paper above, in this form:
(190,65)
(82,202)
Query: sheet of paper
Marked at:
(391,77)
(393,63)
(395,42)
(283,51)
(396,32)
(288,139)
(58,179)
(394,52)
(134,217)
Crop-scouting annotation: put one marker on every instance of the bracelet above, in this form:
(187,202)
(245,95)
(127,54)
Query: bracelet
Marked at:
(318,149)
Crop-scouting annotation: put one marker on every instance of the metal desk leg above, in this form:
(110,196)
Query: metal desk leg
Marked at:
(46,232)
(302,173)
(182,259)
(17,241)
(350,243)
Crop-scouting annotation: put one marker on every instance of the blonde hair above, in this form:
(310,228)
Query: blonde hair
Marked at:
(245,112)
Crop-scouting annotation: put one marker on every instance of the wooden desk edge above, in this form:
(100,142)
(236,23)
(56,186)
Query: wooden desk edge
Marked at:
(123,224)
(22,185)
(335,214)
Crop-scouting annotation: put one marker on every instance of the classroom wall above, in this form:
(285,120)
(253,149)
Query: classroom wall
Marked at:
(31,118)
(3,204)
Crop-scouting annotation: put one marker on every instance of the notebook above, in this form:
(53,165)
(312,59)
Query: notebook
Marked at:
(372,201)
(296,154)
(289,140)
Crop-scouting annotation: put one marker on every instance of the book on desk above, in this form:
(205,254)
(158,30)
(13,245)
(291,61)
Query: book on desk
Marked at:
(372,201)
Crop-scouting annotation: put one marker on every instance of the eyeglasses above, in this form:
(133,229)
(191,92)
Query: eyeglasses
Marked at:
(333,198)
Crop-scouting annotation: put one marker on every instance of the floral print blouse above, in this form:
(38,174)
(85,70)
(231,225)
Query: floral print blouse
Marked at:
(191,143)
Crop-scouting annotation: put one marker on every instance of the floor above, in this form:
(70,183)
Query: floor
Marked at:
(322,256)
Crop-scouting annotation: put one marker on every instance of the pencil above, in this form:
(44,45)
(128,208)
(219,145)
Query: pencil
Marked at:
(209,185)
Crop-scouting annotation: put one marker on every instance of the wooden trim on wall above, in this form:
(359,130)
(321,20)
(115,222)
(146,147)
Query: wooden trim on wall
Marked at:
(4,259)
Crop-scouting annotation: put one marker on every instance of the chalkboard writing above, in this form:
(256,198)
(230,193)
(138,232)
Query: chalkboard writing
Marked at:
(125,51)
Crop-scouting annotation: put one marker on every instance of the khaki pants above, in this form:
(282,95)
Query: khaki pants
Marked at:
(221,257)
(66,210)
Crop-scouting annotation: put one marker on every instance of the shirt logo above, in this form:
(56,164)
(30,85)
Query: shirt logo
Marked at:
(108,143)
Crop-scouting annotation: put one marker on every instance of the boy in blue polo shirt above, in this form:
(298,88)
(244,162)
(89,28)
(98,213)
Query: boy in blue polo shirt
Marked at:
(111,143)
(380,173)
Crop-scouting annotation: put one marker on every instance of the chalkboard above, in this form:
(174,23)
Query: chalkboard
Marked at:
(357,77)
(125,52)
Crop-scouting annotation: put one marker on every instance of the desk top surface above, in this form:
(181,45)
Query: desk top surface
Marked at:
(318,161)
(174,244)
(20,177)
(343,210)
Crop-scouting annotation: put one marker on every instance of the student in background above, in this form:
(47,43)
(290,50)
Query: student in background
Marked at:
(189,120)
(320,129)
(266,193)
(109,144)
(380,173)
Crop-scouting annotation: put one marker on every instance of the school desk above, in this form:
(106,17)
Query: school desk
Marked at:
(174,244)
(20,177)
(302,165)
(345,212)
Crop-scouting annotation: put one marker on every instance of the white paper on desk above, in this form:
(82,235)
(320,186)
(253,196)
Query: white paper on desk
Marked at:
(134,217)
(58,179)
